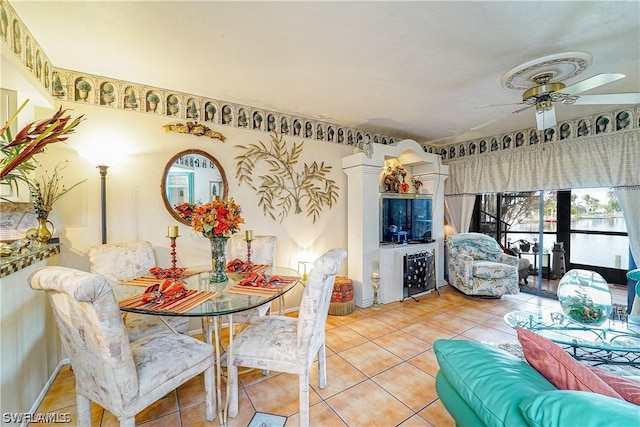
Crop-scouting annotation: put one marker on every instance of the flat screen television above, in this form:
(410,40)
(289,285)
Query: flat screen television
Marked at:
(405,218)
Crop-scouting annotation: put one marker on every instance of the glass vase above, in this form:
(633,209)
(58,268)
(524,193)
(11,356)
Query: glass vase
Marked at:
(585,297)
(218,258)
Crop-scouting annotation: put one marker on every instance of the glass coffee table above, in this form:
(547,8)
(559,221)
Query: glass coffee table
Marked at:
(614,342)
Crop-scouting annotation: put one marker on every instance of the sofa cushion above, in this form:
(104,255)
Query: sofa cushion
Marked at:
(559,367)
(492,382)
(578,408)
(628,388)
(490,270)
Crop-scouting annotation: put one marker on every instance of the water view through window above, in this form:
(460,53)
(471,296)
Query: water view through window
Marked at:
(598,231)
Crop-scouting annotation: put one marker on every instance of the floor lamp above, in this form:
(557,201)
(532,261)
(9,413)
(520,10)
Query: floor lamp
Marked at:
(103,200)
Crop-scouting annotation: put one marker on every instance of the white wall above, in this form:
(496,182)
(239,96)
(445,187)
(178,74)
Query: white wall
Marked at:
(135,210)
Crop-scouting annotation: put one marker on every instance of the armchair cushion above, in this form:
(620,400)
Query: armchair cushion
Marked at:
(489,270)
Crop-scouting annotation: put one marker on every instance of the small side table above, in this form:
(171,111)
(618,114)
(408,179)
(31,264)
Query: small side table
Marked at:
(342,302)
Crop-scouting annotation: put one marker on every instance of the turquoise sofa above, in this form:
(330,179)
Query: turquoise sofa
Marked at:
(480,385)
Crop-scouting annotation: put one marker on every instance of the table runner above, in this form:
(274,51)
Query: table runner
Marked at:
(183,304)
(152,280)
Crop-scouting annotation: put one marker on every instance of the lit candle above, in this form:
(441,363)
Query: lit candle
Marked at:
(248,235)
(375,269)
(172,231)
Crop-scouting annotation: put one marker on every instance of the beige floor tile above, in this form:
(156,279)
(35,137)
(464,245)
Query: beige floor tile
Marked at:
(340,376)
(191,392)
(402,344)
(369,358)
(427,362)
(452,322)
(437,415)
(416,421)
(278,395)
(396,318)
(410,385)
(368,404)
(486,334)
(320,414)
(371,328)
(341,338)
(428,332)
(62,394)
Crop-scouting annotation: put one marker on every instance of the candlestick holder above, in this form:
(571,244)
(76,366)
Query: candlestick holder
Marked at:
(174,261)
(375,282)
(248,250)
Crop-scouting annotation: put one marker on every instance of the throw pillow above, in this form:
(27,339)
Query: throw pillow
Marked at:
(557,366)
(628,388)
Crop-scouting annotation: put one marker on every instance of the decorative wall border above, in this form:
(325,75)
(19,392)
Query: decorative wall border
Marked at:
(106,92)
(620,119)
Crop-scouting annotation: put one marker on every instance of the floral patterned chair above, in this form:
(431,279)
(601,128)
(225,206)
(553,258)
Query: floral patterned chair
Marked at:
(125,261)
(263,251)
(121,376)
(288,344)
(478,266)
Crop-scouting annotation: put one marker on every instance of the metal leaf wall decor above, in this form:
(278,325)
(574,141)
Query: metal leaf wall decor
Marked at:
(284,188)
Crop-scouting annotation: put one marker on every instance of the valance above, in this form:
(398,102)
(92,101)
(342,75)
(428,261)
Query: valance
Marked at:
(611,160)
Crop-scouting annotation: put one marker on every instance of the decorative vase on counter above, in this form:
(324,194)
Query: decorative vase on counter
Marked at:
(218,258)
(44,234)
(585,297)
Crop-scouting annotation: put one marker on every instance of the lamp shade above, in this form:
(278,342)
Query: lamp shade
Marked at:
(449,231)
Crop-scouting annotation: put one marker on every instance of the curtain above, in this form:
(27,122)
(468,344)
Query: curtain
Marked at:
(589,162)
(629,200)
(458,211)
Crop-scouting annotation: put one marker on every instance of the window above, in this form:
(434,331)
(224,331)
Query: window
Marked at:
(598,231)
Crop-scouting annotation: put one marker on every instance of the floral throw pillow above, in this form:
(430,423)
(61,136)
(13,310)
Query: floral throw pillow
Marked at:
(557,366)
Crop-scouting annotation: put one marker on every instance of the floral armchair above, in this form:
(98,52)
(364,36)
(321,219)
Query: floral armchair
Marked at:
(478,266)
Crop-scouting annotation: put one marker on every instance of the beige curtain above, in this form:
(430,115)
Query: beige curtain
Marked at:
(611,160)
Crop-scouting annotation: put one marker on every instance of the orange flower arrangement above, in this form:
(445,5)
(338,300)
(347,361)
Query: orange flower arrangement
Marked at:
(216,218)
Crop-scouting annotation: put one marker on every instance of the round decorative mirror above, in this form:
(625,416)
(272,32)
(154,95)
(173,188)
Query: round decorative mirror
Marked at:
(192,176)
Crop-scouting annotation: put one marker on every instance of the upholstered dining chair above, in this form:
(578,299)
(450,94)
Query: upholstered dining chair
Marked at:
(123,377)
(263,251)
(288,344)
(125,261)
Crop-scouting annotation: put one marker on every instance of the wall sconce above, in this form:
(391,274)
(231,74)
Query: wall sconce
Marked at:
(304,268)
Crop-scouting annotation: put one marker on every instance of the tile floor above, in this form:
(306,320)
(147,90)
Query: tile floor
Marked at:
(381,368)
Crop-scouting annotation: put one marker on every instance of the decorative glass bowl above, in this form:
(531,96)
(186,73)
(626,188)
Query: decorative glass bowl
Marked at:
(585,297)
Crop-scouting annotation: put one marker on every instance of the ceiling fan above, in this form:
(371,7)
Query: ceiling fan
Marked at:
(542,81)
(545,93)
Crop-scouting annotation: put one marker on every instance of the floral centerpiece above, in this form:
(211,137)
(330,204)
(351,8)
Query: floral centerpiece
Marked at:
(217,221)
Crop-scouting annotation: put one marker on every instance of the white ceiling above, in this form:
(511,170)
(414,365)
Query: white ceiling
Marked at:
(412,69)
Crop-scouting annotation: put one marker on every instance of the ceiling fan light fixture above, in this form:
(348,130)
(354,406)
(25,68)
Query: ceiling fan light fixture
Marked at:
(542,90)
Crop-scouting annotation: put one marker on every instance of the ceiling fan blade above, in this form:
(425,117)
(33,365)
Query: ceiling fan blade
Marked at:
(546,119)
(607,98)
(591,82)
(480,126)
(498,105)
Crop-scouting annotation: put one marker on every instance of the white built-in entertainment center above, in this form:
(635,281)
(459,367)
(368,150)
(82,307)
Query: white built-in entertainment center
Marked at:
(365,178)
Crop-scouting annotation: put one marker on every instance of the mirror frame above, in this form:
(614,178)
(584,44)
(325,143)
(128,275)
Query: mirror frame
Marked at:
(163,183)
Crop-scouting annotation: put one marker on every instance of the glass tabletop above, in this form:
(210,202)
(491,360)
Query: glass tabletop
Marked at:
(613,335)
(217,298)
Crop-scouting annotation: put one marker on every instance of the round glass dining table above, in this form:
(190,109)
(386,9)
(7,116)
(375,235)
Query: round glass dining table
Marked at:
(209,301)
